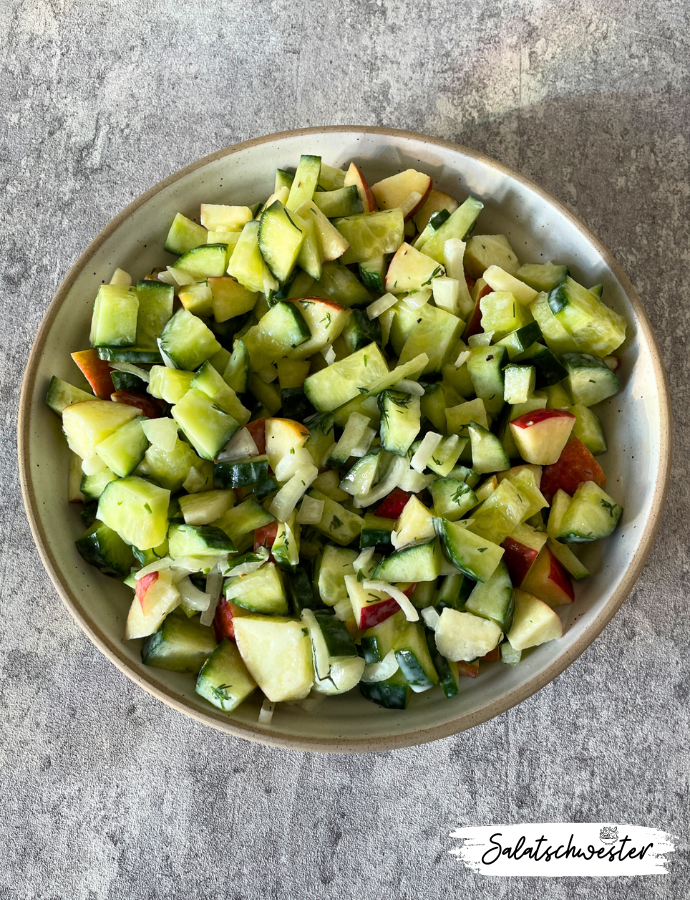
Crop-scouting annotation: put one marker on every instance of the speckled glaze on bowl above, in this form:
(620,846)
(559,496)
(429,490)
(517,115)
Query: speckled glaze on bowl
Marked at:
(637,424)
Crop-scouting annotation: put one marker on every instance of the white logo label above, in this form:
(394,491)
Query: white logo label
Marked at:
(558,850)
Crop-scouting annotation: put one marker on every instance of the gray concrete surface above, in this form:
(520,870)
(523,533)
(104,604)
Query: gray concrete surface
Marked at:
(105,792)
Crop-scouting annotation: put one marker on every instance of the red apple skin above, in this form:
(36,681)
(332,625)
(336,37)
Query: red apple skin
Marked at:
(421,203)
(143,584)
(575,465)
(265,536)
(470,670)
(148,407)
(491,656)
(393,505)
(355,176)
(547,580)
(519,559)
(474,323)
(377,612)
(223,625)
(257,429)
(527,420)
(96,371)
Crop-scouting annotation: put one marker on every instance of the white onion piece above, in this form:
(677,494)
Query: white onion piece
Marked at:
(417,299)
(289,495)
(132,369)
(430,442)
(380,671)
(194,598)
(414,482)
(318,644)
(398,467)
(259,557)
(364,443)
(180,277)
(410,202)
(328,354)
(165,562)
(292,462)
(430,617)
(166,359)
(266,712)
(166,278)
(194,482)
(375,309)
(311,511)
(241,446)
(404,601)
(363,559)
(463,356)
(214,585)
(454,253)
(409,387)
(121,278)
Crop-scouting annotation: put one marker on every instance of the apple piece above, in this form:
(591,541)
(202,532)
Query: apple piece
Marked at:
(548,581)
(534,622)
(393,505)
(370,607)
(492,656)
(410,270)
(146,616)
(143,585)
(354,176)
(522,549)
(435,202)
(474,322)
(96,371)
(541,435)
(509,473)
(574,465)
(282,436)
(257,429)
(326,320)
(147,406)
(223,619)
(266,535)
(392,192)
(468,669)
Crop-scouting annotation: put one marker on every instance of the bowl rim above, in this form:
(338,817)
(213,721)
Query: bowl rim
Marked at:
(414,736)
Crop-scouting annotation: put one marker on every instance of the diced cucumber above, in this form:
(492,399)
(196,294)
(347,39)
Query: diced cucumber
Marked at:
(589,378)
(503,314)
(60,395)
(371,234)
(432,331)
(400,420)
(281,235)
(184,235)
(542,276)
(549,369)
(169,384)
(494,599)
(454,592)
(124,450)
(210,382)
(343,201)
(484,250)
(488,454)
(86,424)
(519,383)
(241,473)
(501,513)
(485,367)
(473,555)
(127,381)
(339,284)
(309,258)
(452,498)
(557,396)
(594,327)
(360,330)
(373,273)
(421,562)
(230,298)
(187,341)
(330,179)
(170,469)
(93,485)
(393,693)
(140,356)
(155,308)
(433,224)
(587,428)
(236,374)
(242,519)
(591,515)
(278,654)
(260,591)
(521,339)
(305,181)
(224,680)
(179,645)
(204,262)
(376,532)
(198,540)
(247,265)
(336,637)
(114,321)
(342,381)
(360,479)
(447,669)
(103,547)
(137,510)
(335,563)
(197,298)
(459,225)
(282,329)
(205,425)
(460,416)
(206,506)
(555,335)
(414,659)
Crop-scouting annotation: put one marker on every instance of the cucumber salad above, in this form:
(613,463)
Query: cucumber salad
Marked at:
(341,441)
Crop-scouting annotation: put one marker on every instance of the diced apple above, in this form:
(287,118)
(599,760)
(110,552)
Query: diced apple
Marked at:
(548,580)
(354,176)
(392,192)
(474,322)
(282,436)
(326,320)
(266,535)
(574,465)
(522,548)
(369,607)
(537,470)
(534,622)
(393,505)
(96,371)
(435,202)
(223,619)
(257,429)
(541,435)
(142,588)
(145,405)
(410,270)
(160,599)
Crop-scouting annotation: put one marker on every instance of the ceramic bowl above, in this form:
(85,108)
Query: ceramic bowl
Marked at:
(539,228)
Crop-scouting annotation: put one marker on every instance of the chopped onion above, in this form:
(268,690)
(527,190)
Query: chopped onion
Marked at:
(409,387)
(404,602)
(446,292)
(417,299)
(258,558)
(166,278)
(241,446)
(165,562)
(161,433)
(289,495)
(214,585)
(380,671)
(166,359)
(268,374)
(365,442)
(375,309)
(463,356)
(180,277)
(318,644)
(193,597)
(292,462)
(480,340)
(363,559)
(201,564)
(396,470)
(430,442)
(343,609)
(430,617)
(414,482)
(121,278)
(454,253)
(132,369)
(410,202)
(311,511)
(328,354)
(266,712)
(194,482)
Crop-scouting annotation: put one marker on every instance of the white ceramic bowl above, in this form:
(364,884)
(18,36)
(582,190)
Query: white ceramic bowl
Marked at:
(637,424)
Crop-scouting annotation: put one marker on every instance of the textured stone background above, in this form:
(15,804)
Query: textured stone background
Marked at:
(106,793)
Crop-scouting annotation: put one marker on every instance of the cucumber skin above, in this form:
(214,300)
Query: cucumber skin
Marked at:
(390,694)
(104,548)
(189,660)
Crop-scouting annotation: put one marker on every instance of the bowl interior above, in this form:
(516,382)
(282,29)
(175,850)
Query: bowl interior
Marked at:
(635,423)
